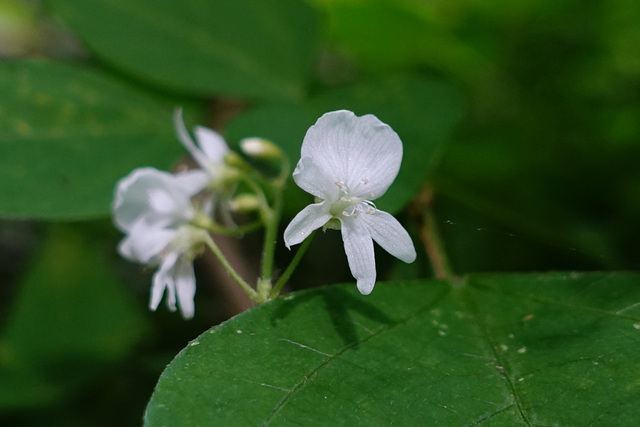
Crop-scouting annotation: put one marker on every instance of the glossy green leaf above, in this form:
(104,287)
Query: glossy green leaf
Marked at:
(67,134)
(70,320)
(422,111)
(242,47)
(544,349)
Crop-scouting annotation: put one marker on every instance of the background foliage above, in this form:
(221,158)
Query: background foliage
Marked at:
(522,119)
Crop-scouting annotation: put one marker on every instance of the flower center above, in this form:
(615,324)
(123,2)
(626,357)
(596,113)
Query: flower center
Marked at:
(188,241)
(347,205)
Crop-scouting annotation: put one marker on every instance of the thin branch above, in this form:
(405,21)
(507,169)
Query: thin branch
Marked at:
(422,212)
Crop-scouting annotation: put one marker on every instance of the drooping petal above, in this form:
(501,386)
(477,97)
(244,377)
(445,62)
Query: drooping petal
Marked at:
(163,279)
(314,180)
(359,249)
(309,219)
(143,242)
(361,152)
(185,280)
(212,145)
(390,235)
(185,139)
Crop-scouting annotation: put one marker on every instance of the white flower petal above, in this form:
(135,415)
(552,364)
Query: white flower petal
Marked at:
(131,199)
(163,279)
(192,181)
(310,218)
(143,242)
(212,145)
(390,235)
(359,249)
(185,139)
(361,152)
(151,194)
(185,280)
(314,180)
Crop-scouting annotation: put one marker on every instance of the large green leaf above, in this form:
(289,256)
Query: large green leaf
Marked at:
(70,320)
(241,47)
(422,111)
(543,349)
(68,134)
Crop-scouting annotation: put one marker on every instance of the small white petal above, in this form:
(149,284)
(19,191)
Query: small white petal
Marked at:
(310,218)
(388,233)
(163,279)
(314,180)
(192,181)
(358,246)
(212,145)
(185,280)
(361,152)
(185,139)
(143,243)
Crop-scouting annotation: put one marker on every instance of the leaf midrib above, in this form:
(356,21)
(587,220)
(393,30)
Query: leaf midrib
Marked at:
(306,378)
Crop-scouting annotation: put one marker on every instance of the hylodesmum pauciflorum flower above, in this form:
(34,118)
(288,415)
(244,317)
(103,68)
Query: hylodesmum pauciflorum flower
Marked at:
(210,151)
(154,209)
(346,163)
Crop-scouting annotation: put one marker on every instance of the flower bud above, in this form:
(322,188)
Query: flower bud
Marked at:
(260,149)
(235,160)
(245,203)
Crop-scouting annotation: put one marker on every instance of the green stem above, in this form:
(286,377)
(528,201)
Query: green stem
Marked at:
(232,272)
(290,268)
(203,221)
(237,231)
(271,218)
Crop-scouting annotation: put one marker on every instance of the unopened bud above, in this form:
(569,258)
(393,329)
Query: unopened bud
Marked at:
(245,203)
(235,160)
(260,149)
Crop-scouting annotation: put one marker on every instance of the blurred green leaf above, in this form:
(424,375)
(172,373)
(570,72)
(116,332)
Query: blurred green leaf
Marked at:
(416,34)
(548,349)
(253,48)
(67,134)
(422,111)
(70,319)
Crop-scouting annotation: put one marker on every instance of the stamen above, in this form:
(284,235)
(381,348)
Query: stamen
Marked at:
(352,206)
(343,188)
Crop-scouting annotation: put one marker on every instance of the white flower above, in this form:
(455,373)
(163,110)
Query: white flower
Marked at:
(346,162)
(210,150)
(154,209)
(210,153)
